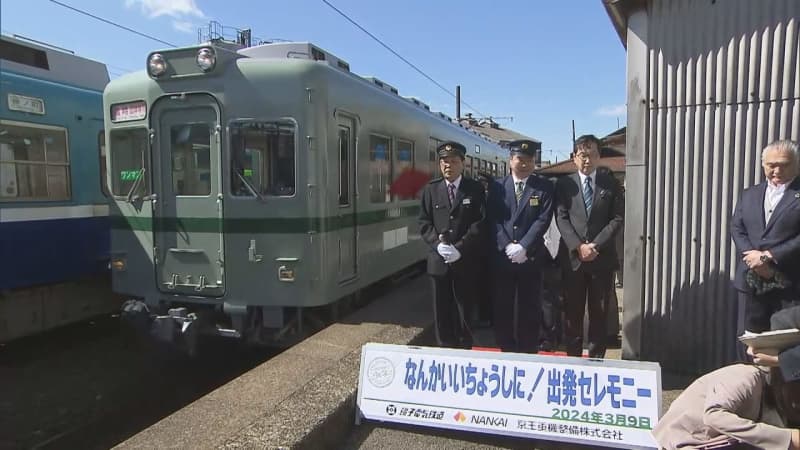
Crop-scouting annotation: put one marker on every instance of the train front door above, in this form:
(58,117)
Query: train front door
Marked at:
(187,211)
(347,239)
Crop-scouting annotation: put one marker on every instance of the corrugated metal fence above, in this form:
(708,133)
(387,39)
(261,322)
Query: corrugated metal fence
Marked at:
(711,83)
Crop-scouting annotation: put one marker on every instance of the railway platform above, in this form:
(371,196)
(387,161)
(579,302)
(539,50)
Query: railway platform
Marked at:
(305,397)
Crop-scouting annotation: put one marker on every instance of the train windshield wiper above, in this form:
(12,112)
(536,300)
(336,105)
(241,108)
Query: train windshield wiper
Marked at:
(135,186)
(249,186)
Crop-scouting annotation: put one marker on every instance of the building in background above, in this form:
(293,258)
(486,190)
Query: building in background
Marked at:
(493,131)
(709,84)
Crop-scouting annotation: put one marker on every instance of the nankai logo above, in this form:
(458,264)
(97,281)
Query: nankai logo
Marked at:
(460,417)
(488,420)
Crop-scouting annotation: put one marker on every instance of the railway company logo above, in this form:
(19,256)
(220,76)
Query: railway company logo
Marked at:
(460,417)
(380,372)
(498,422)
(391,410)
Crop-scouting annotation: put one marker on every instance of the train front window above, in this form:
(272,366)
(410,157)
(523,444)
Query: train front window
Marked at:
(34,162)
(262,159)
(191,159)
(130,165)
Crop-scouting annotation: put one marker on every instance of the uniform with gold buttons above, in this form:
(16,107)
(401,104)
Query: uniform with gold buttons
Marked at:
(519,211)
(452,223)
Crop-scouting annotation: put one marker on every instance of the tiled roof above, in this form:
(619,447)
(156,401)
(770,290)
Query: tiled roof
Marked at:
(495,132)
(615,163)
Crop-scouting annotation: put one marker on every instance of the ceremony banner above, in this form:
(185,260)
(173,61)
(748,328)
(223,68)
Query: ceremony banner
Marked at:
(610,403)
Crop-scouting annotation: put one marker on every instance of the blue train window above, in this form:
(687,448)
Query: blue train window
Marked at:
(34,162)
(405,158)
(380,169)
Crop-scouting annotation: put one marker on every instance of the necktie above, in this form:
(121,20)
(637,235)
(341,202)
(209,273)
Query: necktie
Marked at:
(451,192)
(587,194)
(518,191)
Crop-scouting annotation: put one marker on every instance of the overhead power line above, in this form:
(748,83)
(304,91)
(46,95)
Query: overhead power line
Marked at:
(387,47)
(85,13)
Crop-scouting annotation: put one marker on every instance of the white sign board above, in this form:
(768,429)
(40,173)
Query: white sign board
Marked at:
(609,403)
(25,104)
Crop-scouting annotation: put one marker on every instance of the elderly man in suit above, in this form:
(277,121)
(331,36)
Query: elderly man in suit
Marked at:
(589,212)
(452,223)
(766,230)
(519,208)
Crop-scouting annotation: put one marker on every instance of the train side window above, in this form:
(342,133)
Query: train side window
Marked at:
(344,165)
(504,169)
(263,158)
(34,162)
(433,157)
(468,168)
(380,169)
(130,162)
(101,145)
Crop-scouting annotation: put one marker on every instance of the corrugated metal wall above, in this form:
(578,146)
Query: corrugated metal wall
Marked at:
(718,81)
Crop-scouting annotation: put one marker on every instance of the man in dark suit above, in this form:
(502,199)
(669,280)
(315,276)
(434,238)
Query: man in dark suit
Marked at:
(452,220)
(589,213)
(519,208)
(766,230)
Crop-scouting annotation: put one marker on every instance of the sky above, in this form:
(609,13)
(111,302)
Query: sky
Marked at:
(535,65)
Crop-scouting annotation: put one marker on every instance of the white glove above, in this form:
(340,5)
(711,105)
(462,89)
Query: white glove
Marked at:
(448,252)
(515,251)
(520,258)
(455,256)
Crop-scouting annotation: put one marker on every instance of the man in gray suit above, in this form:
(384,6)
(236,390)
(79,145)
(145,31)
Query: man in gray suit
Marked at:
(766,230)
(589,213)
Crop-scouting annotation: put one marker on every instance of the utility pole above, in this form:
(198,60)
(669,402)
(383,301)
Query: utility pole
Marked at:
(573,135)
(458,103)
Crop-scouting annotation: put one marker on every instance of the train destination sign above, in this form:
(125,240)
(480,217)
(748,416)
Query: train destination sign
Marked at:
(128,111)
(610,403)
(22,103)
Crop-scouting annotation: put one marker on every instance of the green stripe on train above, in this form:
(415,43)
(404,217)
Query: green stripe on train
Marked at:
(281,225)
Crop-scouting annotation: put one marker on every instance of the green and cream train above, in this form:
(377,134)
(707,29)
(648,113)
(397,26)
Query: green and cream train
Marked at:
(250,184)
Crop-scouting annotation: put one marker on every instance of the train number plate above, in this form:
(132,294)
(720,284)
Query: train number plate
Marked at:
(22,103)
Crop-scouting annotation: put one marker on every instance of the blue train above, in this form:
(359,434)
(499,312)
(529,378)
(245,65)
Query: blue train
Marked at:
(54,228)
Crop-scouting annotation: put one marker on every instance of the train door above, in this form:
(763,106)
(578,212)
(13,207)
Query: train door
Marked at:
(187,213)
(347,211)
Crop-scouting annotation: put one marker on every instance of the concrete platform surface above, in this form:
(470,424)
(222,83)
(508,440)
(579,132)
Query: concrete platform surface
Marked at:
(304,397)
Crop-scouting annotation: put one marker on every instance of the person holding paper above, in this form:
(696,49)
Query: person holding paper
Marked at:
(787,359)
(452,219)
(729,406)
(766,230)
(519,208)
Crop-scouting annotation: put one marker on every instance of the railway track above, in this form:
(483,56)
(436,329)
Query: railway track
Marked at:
(86,386)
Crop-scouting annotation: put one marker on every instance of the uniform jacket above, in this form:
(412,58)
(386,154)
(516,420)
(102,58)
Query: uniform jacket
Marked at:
(523,222)
(781,236)
(463,222)
(789,358)
(722,406)
(602,224)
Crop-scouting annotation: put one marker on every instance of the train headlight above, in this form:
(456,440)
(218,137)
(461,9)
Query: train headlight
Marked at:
(118,264)
(206,59)
(156,65)
(286,273)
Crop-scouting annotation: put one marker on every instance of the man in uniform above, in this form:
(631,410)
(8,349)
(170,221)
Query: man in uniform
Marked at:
(452,224)
(590,211)
(519,208)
